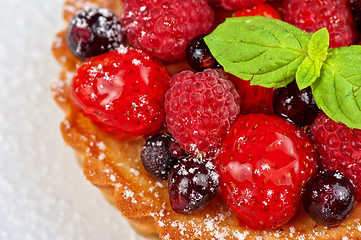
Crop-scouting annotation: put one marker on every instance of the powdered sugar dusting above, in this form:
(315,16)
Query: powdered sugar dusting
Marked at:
(43,194)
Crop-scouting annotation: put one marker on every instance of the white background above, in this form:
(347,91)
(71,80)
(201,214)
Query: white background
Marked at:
(43,193)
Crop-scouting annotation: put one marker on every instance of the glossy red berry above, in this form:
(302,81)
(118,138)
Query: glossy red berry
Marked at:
(329,198)
(254,99)
(193,183)
(93,32)
(240,4)
(264,10)
(264,165)
(122,92)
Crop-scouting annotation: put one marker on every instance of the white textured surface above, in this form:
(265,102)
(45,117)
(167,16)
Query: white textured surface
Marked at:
(43,194)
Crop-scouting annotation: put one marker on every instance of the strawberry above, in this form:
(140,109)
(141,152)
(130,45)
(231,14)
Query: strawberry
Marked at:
(122,92)
(264,9)
(264,164)
(254,99)
(239,4)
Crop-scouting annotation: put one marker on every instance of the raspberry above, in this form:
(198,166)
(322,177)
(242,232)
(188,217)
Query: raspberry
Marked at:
(239,4)
(312,15)
(339,148)
(122,92)
(264,164)
(200,108)
(163,27)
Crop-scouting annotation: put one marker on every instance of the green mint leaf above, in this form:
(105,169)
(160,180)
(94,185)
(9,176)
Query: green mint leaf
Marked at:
(338,89)
(317,48)
(307,73)
(310,68)
(263,50)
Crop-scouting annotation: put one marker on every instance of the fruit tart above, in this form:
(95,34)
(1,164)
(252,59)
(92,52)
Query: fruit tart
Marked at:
(217,119)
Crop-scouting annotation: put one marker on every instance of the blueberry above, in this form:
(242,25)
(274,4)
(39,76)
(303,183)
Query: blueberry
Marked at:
(192,183)
(199,56)
(355,6)
(93,32)
(329,198)
(159,154)
(297,106)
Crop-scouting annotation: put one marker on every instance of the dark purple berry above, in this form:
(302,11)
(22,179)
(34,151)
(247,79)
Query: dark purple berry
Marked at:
(193,183)
(93,32)
(199,56)
(329,198)
(297,106)
(355,6)
(159,154)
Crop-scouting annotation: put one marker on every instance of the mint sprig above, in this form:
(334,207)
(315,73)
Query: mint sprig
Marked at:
(338,90)
(310,68)
(272,53)
(268,52)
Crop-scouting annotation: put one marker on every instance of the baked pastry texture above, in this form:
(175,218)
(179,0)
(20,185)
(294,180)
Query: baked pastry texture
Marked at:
(115,168)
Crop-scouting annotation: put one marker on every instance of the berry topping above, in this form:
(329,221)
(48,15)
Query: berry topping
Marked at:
(339,148)
(264,164)
(198,55)
(200,108)
(329,198)
(272,53)
(260,10)
(312,15)
(193,183)
(297,106)
(93,32)
(164,27)
(356,12)
(122,92)
(240,4)
(254,99)
(159,154)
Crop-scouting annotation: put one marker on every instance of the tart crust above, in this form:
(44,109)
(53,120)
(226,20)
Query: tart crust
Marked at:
(115,168)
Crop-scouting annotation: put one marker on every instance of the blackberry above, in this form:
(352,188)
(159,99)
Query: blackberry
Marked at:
(199,56)
(192,183)
(329,198)
(93,32)
(159,154)
(297,106)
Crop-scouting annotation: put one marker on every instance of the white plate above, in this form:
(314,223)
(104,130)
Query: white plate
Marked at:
(43,193)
